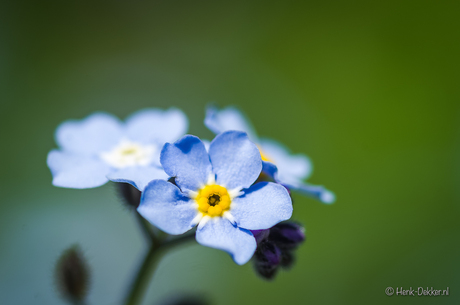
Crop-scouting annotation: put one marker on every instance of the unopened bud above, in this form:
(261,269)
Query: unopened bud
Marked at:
(287,259)
(287,235)
(275,248)
(72,275)
(261,235)
(266,260)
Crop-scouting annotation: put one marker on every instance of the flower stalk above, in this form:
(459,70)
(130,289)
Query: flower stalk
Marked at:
(157,248)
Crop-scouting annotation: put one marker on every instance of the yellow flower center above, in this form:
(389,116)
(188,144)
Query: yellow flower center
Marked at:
(213,200)
(128,151)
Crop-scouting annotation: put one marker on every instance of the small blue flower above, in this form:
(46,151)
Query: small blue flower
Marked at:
(101,148)
(287,169)
(214,191)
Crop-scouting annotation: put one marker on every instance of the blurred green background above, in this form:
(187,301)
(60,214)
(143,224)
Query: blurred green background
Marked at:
(368,90)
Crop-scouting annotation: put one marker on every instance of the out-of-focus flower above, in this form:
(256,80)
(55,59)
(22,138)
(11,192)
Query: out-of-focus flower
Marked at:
(215,191)
(275,248)
(285,168)
(72,275)
(101,148)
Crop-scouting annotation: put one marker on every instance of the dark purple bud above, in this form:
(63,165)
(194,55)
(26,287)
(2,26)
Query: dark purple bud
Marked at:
(72,275)
(261,235)
(265,271)
(287,235)
(268,253)
(131,195)
(267,259)
(287,259)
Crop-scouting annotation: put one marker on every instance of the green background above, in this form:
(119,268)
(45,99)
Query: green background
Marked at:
(368,90)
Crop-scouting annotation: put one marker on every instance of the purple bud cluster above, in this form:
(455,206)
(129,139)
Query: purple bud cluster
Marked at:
(275,248)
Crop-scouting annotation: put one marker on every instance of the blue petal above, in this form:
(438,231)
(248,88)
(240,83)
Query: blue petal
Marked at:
(262,206)
(219,233)
(188,161)
(94,134)
(226,119)
(235,160)
(290,167)
(156,125)
(165,207)
(138,176)
(316,191)
(76,171)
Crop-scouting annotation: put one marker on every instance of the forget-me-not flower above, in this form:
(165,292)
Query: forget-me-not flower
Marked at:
(287,169)
(214,190)
(101,148)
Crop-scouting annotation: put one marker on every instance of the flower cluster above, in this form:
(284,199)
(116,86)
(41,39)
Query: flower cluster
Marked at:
(234,190)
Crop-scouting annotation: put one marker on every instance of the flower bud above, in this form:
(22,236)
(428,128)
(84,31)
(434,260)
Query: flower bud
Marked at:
(287,235)
(275,248)
(72,275)
(261,235)
(267,259)
(287,259)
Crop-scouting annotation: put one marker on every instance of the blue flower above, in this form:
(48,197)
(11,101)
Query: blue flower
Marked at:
(101,148)
(287,169)
(214,190)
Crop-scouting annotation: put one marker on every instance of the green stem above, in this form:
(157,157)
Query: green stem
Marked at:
(148,266)
(141,281)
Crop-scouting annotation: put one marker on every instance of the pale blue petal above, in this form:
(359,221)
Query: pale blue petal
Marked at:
(165,207)
(316,191)
(156,125)
(219,233)
(92,135)
(291,168)
(262,206)
(188,161)
(138,176)
(76,171)
(235,160)
(229,118)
